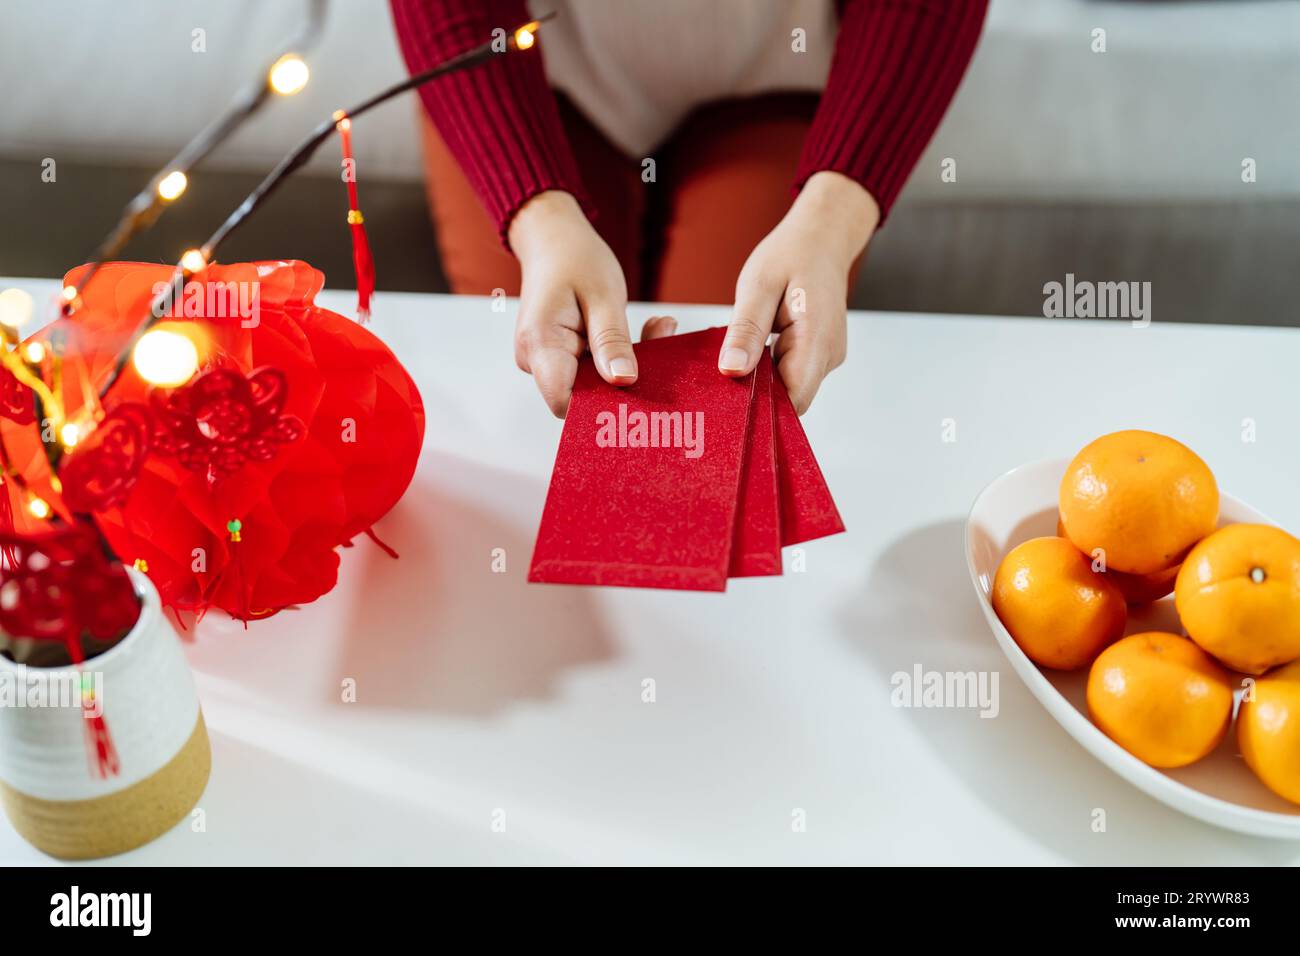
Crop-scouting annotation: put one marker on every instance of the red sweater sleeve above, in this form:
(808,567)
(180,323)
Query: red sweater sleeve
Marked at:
(896,67)
(499,120)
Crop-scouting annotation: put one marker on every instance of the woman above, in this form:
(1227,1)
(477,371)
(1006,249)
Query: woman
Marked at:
(652,151)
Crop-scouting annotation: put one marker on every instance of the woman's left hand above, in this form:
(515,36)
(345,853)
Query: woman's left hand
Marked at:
(795,283)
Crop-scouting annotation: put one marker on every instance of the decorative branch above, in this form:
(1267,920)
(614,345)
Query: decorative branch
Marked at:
(167,184)
(39,367)
(163,302)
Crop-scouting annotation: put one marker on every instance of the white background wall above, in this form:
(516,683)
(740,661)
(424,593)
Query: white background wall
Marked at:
(117,81)
(1185,91)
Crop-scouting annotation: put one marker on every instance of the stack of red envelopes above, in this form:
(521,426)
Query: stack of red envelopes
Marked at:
(682,480)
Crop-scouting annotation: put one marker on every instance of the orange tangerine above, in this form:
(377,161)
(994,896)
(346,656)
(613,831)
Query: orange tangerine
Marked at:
(1238,595)
(1161,698)
(1060,611)
(1144,499)
(1268,730)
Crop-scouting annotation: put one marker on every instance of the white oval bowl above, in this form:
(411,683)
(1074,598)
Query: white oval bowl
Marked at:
(1220,789)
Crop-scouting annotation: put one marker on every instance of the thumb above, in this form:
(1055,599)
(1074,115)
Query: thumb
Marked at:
(751,323)
(609,341)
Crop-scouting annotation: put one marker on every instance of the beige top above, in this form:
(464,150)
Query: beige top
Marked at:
(637,69)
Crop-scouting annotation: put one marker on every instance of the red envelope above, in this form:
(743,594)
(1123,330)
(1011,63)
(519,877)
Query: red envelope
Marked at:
(621,511)
(757,550)
(807,509)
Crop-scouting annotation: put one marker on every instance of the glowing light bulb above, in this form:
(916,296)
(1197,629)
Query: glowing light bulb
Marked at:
(524,38)
(70,434)
(165,358)
(39,508)
(34,352)
(193,261)
(289,74)
(172,185)
(15,308)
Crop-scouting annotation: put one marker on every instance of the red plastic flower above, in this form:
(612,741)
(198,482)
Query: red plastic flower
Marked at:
(62,586)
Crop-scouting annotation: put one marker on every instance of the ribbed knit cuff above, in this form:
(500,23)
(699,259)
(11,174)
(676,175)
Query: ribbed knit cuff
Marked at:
(499,120)
(896,67)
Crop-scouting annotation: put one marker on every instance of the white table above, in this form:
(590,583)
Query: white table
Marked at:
(479,693)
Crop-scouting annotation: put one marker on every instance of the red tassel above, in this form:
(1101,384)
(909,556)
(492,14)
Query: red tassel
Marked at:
(364,264)
(104,761)
(103,755)
(370,532)
(362,260)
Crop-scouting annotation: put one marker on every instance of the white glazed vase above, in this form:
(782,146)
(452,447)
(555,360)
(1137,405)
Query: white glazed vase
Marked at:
(152,713)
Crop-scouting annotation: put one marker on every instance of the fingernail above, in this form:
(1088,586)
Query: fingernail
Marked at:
(733,360)
(622,368)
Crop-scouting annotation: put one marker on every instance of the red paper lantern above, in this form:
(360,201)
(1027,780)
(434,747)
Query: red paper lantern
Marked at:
(300,431)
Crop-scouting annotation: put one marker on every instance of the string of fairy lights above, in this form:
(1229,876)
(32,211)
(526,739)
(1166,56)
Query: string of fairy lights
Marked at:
(164,358)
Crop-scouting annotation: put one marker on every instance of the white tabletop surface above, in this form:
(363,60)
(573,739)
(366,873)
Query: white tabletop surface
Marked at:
(483,698)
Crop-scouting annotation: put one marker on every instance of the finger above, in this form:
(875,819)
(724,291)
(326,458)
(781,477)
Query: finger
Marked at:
(554,371)
(531,339)
(608,339)
(802,372)
(657,327)
(548,350)
(757,301)
(806,352)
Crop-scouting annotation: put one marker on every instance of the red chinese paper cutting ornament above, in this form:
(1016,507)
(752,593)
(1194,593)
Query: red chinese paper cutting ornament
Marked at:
(224,419)
(104,469)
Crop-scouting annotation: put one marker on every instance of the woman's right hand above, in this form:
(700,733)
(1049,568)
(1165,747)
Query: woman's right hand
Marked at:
(573,297)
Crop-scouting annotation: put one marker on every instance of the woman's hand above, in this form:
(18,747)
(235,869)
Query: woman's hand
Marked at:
(573,297)
(795,282)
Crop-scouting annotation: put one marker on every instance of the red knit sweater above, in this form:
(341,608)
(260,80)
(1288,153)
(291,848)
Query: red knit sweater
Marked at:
(895,68)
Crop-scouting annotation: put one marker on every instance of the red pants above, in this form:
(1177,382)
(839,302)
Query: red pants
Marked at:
(721,183)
